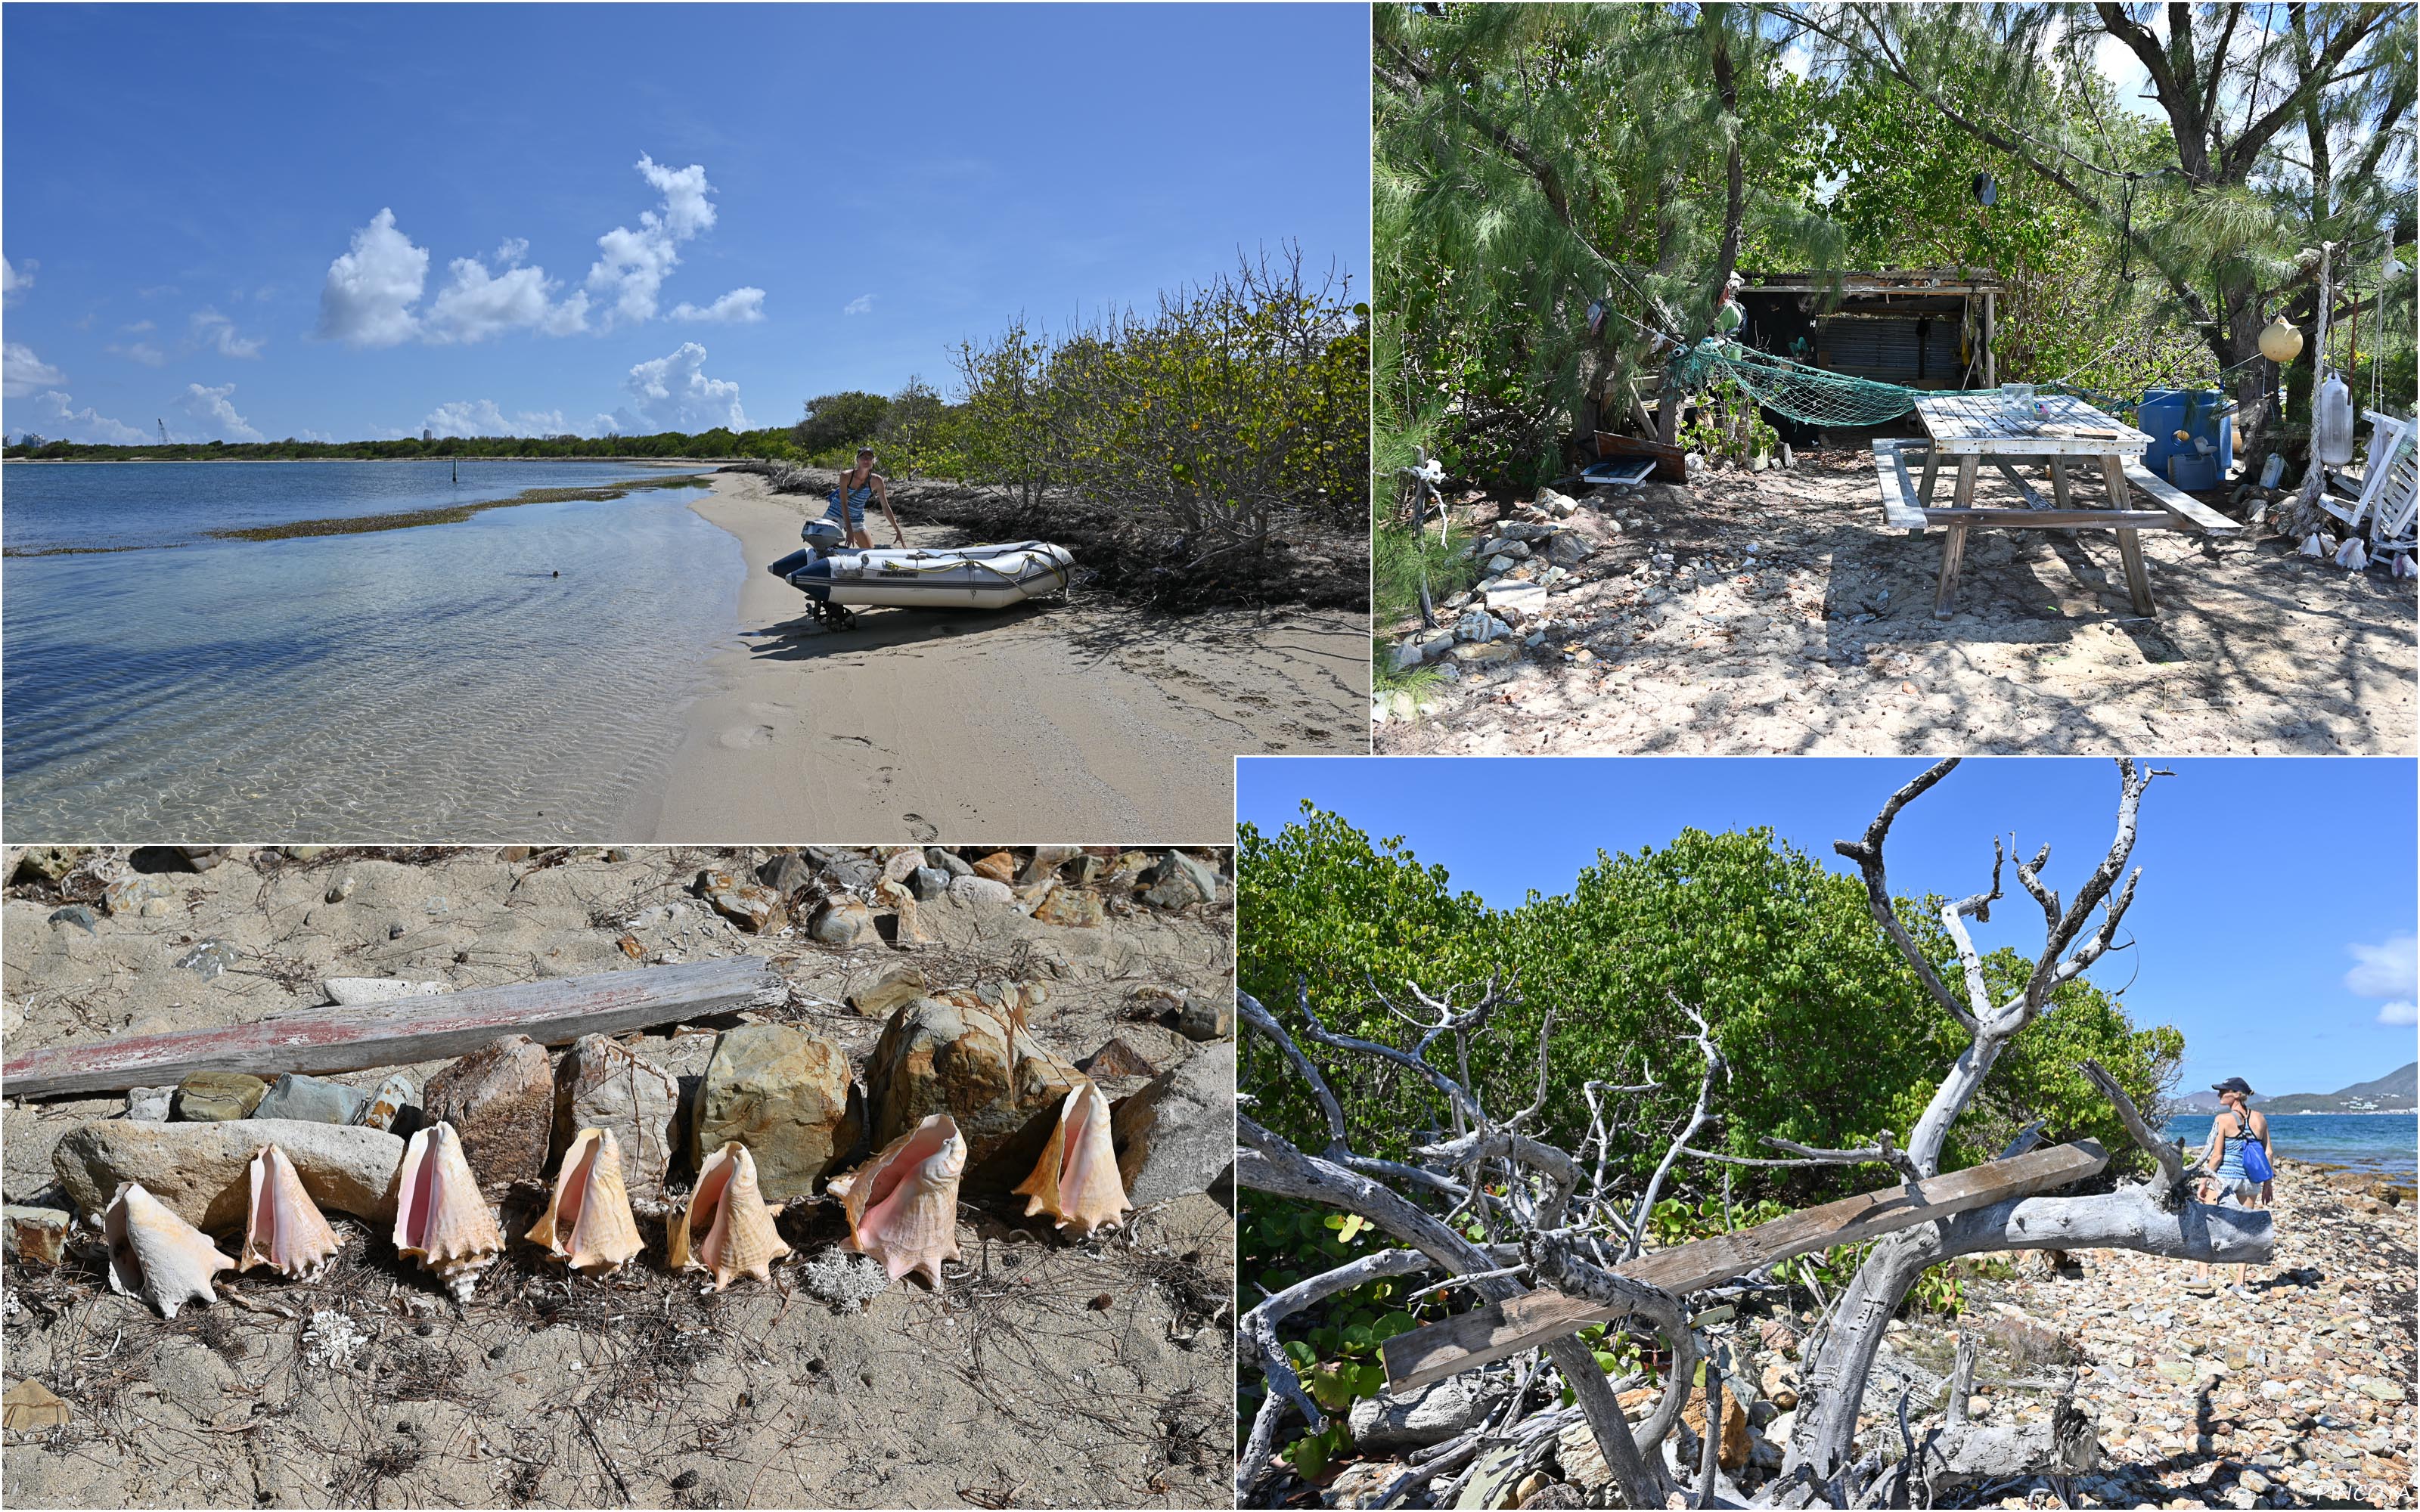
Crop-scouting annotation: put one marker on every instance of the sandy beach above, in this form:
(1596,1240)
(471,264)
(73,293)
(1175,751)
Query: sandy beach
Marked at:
(1772,614)
(1043,1369)
(1074,720)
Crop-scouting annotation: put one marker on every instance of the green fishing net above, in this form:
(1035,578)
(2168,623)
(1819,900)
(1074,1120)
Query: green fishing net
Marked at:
(1807,394)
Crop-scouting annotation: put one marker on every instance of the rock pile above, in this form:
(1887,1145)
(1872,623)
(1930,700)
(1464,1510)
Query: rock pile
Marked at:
(1529,553)
(848,896)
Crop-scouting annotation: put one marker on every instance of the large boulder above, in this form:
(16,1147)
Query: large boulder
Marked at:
(199,1170)
(501,1101)
(603,1085)
(1178,1134)
(785,1095)
(959,1054)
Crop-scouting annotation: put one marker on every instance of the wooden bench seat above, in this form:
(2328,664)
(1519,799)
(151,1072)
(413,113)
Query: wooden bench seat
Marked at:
(2184,506)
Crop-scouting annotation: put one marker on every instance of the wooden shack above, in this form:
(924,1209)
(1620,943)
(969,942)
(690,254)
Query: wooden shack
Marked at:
(1920,327)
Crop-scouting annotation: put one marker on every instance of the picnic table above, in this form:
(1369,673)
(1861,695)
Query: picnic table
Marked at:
(1970,430)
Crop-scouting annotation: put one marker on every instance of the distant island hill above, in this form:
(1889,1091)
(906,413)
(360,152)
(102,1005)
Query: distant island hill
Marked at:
(2394,1092)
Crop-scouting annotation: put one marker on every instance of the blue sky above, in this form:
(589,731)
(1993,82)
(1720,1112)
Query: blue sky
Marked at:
(2274,922)
(355,220)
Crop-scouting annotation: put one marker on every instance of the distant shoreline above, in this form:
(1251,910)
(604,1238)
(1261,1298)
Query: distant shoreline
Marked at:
(402,520)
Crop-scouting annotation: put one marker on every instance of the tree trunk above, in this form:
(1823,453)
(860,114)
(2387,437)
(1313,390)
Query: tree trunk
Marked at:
(2132,1218)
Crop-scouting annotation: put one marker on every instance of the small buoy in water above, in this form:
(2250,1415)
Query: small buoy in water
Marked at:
(558,572)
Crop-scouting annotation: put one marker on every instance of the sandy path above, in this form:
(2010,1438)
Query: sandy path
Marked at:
(1077,721)
(1772,614)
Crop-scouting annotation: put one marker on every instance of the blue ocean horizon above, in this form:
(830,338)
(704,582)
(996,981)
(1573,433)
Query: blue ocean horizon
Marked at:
(518,675)
(2386,1143)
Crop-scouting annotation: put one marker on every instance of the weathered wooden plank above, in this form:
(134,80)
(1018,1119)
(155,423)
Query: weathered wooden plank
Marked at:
(2053,519)
(1899,506)
(2184,506)
(315,1040)
(1488,1333)
(2029,446)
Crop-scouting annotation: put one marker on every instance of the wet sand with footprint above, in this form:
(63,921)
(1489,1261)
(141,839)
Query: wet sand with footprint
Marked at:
(1078,719)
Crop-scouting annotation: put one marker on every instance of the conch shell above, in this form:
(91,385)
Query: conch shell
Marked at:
(440,1217)
(588,1221)
(283,1228)
(157,1256)
(1076,1181)
(738,1238)
(903,1204)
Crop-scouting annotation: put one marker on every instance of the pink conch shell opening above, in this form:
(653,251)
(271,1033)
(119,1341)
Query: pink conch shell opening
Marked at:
(1076,1181)
(903,1204)
(283,1228)
(738,1237)
(440,1217)
(588,1221)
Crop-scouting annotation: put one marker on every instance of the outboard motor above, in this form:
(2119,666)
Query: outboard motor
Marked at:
(808,569)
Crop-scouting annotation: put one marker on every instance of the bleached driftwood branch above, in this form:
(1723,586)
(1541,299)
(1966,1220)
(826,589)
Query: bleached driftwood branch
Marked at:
(2153,1219)
(1534,1188)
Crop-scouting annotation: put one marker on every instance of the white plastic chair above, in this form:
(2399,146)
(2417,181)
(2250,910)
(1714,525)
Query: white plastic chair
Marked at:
(2390,446)
(2392,489)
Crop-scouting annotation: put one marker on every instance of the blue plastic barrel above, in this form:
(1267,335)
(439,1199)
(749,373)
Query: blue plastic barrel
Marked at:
(2195,411)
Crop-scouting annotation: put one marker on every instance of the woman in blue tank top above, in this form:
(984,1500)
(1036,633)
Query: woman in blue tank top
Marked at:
(2222,1162)
(860,486)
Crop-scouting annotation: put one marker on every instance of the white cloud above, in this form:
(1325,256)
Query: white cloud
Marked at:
(862,304)
(467,417)
(218,416)
(367,298)
(22,373)
(16,279)
(2388,971)
(510,252)
(476,305)
(741,307)
(136,329)
(2391,971)
(211,329)
(70,424)
(635,263)
(141,351)
(483,417)
(674,394)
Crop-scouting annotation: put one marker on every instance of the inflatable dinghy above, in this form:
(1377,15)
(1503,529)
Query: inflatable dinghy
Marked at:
(972,577)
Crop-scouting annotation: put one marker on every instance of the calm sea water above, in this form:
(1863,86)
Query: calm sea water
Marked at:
(2388,1143)
(437,683)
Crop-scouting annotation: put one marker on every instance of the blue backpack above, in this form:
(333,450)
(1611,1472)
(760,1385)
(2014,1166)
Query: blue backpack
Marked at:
(2256,1156)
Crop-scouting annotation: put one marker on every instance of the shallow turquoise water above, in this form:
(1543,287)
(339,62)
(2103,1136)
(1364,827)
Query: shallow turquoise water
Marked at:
(2388,1143)
(441,683)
